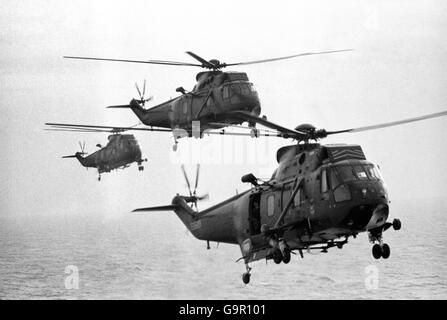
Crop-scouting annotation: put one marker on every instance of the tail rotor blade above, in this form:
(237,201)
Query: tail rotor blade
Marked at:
(139,92)
(144,89)
(187,180)
(197,178)
(203,197)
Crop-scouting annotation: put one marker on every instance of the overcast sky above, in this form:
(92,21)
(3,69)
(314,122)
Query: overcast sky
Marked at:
(398,70)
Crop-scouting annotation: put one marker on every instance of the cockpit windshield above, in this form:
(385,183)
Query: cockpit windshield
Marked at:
(357,172)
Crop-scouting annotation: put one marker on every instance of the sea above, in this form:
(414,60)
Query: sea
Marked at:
(71,255)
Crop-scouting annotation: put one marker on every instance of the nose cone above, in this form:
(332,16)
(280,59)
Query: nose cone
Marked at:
(368,190)
(368,216)
(370,205)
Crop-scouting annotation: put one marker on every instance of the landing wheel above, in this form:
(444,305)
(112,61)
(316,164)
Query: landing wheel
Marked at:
(286,256)
(340,245)
(246,278)
(377,251)
(386,251)
(140,168)
(277,256)
(397,224)
(99,178)
(174,147)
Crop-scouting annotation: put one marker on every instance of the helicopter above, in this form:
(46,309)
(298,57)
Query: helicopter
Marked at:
(318,197)
(219,99)
(119,153)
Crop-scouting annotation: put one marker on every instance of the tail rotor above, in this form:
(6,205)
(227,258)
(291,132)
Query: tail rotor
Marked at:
(142,100)
(79,153)
(193,198)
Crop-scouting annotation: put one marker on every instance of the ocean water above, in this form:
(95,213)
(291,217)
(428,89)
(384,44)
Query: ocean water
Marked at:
(152,256)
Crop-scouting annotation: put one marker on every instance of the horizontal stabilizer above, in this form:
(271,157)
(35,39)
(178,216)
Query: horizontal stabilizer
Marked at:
(121,106)
(159,208)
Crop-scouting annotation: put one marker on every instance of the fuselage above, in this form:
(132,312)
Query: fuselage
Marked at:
(340,193)
(120,151)
(211,102)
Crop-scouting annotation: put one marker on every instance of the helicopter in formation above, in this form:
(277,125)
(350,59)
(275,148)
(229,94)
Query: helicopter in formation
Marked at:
(120,152)
(317,198)
(218,100)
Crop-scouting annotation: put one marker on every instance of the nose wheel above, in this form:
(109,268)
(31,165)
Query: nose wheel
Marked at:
(381,249)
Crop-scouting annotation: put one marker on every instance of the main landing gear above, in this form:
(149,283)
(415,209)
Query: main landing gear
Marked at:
(140,166)
(282,253)
(381,249)
(279,256)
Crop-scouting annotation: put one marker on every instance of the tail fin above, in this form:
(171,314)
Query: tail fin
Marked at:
(139,111)
(181,208)
(77,155)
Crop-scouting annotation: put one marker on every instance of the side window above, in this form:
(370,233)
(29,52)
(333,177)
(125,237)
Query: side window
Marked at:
(334,179)
(225,93)
(324,185)
(270,205)
(297,199)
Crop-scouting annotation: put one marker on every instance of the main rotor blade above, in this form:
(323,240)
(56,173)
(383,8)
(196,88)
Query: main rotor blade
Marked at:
(283,130)
(286,57)
(186,178)
(170,63)
(78,130)
(159,208)
(81,126)
(391,124)
(205,63)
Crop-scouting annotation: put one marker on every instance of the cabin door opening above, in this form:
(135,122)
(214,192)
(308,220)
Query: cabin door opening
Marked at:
(254,218)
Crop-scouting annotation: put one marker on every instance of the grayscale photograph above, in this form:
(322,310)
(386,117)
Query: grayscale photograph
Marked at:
(223,150)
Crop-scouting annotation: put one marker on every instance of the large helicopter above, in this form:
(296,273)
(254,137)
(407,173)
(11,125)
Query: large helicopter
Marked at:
(318,197)
(119,153)
(219,99)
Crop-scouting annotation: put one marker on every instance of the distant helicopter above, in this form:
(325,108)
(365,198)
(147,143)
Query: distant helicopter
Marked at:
(119,153)
(219,99)
(317,198)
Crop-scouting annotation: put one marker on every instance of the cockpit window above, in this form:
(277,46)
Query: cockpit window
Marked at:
(346,173)
(360,173)
(373,172)
(245,88)
(251,87)
(356,172)
(235,89)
